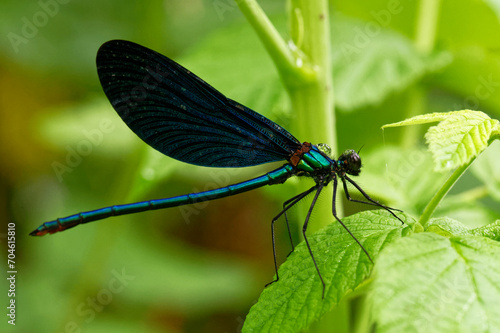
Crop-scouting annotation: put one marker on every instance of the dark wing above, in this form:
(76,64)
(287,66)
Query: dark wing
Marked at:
(182,116)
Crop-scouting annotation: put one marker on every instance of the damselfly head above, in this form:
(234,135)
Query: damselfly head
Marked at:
(350,162)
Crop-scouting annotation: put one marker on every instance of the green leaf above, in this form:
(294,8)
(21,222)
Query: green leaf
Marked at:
(453,227)
(486,169)
(232,68)
(294,302)
(491,231)
(459,137)
(87,128)
(449,227)
(468,209)
(446,226)
(430,283)
(400,178)
(64,56)
(359,78)
(369,66)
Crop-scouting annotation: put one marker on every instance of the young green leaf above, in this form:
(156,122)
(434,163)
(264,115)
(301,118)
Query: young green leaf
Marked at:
(430,283)
(459,137)
(446,226)
(295,301)
(491,231)
(449,227)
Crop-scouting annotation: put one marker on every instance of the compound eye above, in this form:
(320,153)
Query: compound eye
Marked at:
(351,162)
(354,161)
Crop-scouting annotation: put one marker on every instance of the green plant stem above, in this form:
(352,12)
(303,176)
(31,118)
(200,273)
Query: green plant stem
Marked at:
(427,20)
(284,58)
(313,100)
(439,196)
(313,106)
(363,322)
(305,67)
(417,100)
(425,39)
(304,64)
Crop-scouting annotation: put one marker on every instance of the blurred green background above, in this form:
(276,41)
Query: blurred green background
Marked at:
(200,268)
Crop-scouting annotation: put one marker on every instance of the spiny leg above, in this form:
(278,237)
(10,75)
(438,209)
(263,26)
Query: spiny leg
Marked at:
(372,202)
(334,211)
(286,206)
(293,201)
(304,229)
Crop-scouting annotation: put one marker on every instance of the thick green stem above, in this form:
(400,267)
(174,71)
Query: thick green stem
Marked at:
(313,106)
(363,321)
(427,20)
(305,67)
(416,104)
(304,64)
(312,100)
(285,58)
(439,196)
(425,39)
